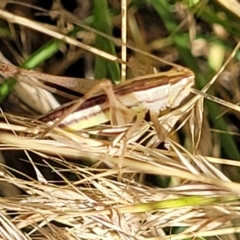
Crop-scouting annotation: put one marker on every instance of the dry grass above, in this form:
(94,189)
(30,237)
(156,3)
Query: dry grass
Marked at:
(99,200)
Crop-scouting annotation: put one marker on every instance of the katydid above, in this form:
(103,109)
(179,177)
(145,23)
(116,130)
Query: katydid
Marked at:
(121,103)
(118,104)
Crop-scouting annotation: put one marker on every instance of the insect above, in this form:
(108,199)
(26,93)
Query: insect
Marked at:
(120,103)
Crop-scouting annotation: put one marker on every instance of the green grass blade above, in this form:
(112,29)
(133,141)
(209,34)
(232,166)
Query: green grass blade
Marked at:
(103,68)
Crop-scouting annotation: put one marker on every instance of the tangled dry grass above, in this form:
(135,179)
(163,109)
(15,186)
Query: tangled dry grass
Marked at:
(103,190)
(97,205)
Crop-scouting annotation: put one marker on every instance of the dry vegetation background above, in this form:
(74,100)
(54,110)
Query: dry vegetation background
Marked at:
(67,185)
